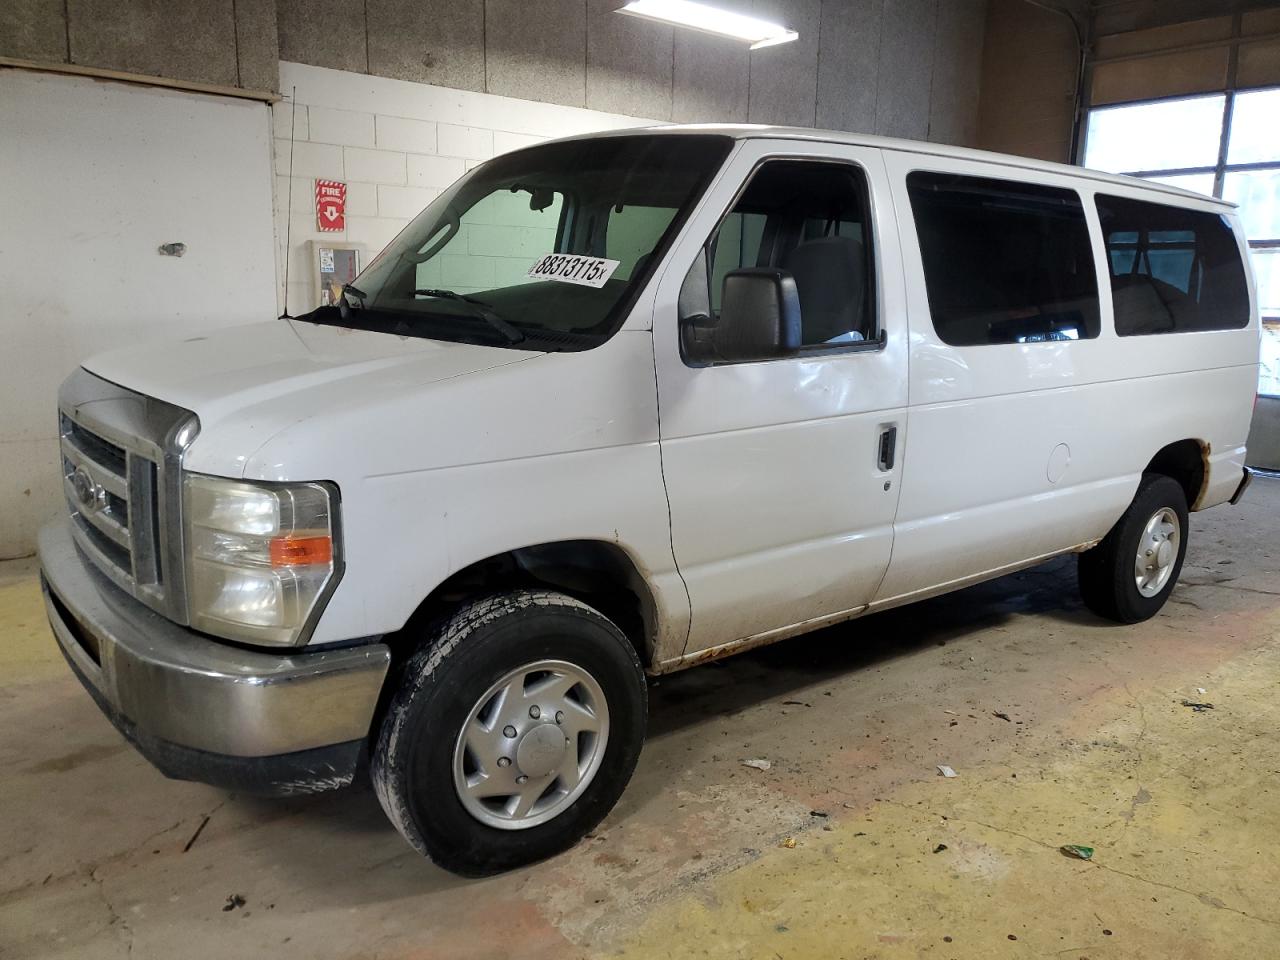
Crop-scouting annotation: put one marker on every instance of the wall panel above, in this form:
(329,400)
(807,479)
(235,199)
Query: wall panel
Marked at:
(33,30)
(191,39)
(630,62)
(784,79)
(903,67)
(428,41)
(905,81)
(537,50)
(326,33)
(712,76)
(957,72)
(849,64)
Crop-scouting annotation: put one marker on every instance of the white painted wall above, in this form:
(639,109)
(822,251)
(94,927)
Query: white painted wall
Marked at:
(396,145)
(96,176)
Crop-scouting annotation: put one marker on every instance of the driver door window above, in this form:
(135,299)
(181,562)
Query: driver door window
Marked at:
(808,222)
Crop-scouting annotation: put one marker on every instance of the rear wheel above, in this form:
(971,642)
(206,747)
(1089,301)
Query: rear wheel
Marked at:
(514,731)
(1130,574)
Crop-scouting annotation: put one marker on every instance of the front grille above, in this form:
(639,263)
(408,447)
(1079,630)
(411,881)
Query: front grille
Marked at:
(111,496)
(122,472)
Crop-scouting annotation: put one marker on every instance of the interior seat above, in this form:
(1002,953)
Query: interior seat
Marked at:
(831,279)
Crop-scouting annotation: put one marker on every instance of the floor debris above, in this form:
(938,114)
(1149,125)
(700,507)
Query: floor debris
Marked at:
(788,842)
(1076,850)
(1002,716)
(199,830)
(233,901)
(1197,707)
(946,771)
(757,764)
(939,848)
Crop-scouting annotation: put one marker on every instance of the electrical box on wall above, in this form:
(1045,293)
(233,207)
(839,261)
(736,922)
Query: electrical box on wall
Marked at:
(334,265)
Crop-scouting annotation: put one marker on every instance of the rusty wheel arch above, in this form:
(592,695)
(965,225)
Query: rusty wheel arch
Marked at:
(1186,461)
(595,572)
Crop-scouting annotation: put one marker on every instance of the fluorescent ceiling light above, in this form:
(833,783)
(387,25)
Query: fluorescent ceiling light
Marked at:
(700,16)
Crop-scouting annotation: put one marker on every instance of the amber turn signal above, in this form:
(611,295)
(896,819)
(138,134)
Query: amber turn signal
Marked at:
(301,551)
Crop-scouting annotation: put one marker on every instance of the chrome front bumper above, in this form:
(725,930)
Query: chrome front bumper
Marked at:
(293,722)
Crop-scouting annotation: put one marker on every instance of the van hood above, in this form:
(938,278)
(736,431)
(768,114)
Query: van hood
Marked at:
(247,366)
(293,401)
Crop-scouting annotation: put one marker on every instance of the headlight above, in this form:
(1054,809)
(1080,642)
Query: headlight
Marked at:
(260,557)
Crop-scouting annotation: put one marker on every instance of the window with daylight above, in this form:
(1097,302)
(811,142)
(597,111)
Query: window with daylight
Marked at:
(1224,145)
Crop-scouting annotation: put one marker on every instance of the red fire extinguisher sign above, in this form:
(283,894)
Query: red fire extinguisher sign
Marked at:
(331,206)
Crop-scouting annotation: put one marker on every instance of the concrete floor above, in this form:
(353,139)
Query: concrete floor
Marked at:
(97,857)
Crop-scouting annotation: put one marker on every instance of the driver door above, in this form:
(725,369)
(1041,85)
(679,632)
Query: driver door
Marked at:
(782,473)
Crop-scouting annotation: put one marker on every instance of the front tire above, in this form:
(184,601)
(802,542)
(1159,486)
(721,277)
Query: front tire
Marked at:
(1130,574)
(514,731)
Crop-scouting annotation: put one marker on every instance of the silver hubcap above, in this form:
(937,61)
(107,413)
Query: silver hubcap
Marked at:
(1157,552)
(531,745)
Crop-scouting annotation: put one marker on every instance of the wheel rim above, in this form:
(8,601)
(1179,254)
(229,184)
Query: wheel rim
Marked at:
(531,745)
(1157,552)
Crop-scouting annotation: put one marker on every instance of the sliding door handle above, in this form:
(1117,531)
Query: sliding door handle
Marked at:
(888,447)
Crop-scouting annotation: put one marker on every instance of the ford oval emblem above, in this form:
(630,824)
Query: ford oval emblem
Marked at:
(88,491)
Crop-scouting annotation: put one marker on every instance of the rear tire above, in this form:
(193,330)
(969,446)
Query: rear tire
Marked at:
(1130,574)
(514,731)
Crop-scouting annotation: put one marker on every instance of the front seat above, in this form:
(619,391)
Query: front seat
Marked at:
(831,278)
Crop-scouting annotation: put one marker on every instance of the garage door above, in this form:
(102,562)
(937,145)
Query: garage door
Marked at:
(95,176)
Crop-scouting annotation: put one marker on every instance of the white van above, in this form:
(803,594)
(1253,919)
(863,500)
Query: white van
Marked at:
(622,404)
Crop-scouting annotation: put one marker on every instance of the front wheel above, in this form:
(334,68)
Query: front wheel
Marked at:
(1130,574)
(514,731)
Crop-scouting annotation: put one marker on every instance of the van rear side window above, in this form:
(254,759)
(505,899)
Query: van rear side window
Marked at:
(1004,262)
(1172,270)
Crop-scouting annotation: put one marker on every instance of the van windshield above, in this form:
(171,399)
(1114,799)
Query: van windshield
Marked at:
(541,249)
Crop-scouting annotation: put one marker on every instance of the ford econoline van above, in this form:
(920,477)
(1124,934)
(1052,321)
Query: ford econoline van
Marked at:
(618,405)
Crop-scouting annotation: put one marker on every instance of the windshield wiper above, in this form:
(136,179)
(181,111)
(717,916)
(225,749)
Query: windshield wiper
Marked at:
(481,310)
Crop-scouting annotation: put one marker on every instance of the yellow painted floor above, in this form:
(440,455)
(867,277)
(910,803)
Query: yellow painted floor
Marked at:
(890,860)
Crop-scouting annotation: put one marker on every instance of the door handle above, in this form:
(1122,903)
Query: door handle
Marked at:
(888,447)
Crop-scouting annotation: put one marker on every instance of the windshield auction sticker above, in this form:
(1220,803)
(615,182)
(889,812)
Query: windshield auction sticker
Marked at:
(574,268)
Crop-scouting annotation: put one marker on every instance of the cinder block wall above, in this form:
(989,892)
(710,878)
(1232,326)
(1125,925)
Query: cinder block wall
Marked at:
(396,145)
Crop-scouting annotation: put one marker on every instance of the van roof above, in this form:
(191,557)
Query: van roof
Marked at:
(750,131)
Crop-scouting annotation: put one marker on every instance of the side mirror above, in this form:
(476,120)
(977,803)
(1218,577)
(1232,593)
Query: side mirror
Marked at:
(759,315)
